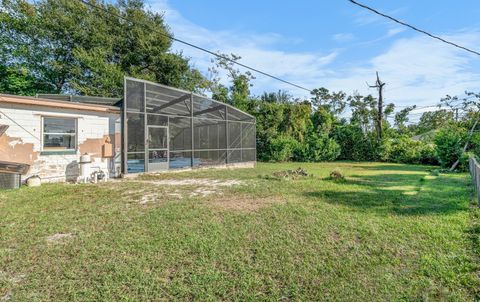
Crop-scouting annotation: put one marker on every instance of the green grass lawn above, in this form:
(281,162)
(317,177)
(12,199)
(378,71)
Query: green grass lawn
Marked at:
(388,232)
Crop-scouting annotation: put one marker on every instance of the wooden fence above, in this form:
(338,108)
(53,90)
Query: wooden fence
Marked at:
(474,168)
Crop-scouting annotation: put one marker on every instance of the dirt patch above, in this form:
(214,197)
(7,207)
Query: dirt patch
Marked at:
(244,203)
(204,192)
(147,192)
(203,188)
(148,198)
(193,182)
(59,237)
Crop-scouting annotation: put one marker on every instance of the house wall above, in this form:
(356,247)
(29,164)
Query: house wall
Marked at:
(22,141)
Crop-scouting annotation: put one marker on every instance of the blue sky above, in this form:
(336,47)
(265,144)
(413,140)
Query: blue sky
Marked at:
(337,45)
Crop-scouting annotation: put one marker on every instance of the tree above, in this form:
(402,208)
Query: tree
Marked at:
(363,111)
(297,120)
(239,91)
(432,120)
(74,48)
(401,118)
(17,80)
(334,102)
(280,96)
(379,118)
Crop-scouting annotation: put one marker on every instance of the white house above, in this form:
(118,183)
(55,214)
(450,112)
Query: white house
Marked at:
(50,135)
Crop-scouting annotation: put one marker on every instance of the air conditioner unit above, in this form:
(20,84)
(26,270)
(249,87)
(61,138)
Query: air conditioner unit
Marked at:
(10,180)
(10,174)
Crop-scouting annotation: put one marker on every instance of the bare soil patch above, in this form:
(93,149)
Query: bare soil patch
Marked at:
(193,182)
(59,237)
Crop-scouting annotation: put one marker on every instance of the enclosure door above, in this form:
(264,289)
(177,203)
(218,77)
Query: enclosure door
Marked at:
(157,148)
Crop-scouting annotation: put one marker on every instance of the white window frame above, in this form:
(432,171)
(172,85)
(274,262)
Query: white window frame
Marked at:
(71,134)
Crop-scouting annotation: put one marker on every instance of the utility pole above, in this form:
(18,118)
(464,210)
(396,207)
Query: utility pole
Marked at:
(379,86)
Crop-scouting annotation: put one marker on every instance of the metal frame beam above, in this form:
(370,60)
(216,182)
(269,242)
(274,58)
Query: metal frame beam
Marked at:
(173,102)
(208,110)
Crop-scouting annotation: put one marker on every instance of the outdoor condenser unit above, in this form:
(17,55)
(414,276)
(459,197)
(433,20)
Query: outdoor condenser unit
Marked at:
(10,180)
(10,174)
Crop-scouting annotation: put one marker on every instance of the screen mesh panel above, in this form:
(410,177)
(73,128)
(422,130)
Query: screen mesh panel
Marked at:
(136,132)
(209,134)
(234,135)
(207,108)
(180,133)
(201,131)
(135,96)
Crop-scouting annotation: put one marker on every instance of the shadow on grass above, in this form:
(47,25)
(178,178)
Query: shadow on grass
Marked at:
(400,194)
(396,167)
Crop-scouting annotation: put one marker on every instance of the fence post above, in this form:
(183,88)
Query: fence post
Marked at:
(474,170)
(477,182)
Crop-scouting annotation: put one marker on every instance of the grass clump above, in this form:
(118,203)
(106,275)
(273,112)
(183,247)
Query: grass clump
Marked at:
(336,175)
(294,174)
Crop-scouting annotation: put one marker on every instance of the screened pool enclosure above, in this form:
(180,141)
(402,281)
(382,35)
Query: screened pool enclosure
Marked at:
(167,128)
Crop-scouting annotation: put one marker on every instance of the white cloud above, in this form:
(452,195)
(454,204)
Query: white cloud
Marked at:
(343,37)
(364,17)
(394,31)
(417,70)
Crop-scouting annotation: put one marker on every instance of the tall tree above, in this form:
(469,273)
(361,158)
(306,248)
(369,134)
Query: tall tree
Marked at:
(75,48)
(239,91)
(379,85)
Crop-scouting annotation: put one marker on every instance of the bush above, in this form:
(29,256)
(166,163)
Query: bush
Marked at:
(351,140)
(448,145)
(404,150)
(322,148)
(408,151)
(463,164)
(282,148)
(427,154)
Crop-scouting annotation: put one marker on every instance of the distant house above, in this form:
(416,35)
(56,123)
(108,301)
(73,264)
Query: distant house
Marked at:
(153,128)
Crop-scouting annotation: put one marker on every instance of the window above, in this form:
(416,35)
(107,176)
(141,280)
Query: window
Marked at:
(59,134)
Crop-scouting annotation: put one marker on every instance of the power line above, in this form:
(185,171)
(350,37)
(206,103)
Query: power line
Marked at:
(197,47)
(414,28)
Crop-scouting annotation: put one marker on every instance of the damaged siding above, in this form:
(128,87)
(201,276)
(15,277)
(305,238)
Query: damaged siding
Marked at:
(22,142)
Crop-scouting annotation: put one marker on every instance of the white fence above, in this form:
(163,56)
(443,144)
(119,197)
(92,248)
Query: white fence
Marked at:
(474,168)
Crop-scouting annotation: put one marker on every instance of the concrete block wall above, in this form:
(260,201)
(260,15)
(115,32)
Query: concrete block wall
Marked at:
(22,141)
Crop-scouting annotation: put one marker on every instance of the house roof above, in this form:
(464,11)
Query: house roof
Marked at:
(98,100)
(32,101)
